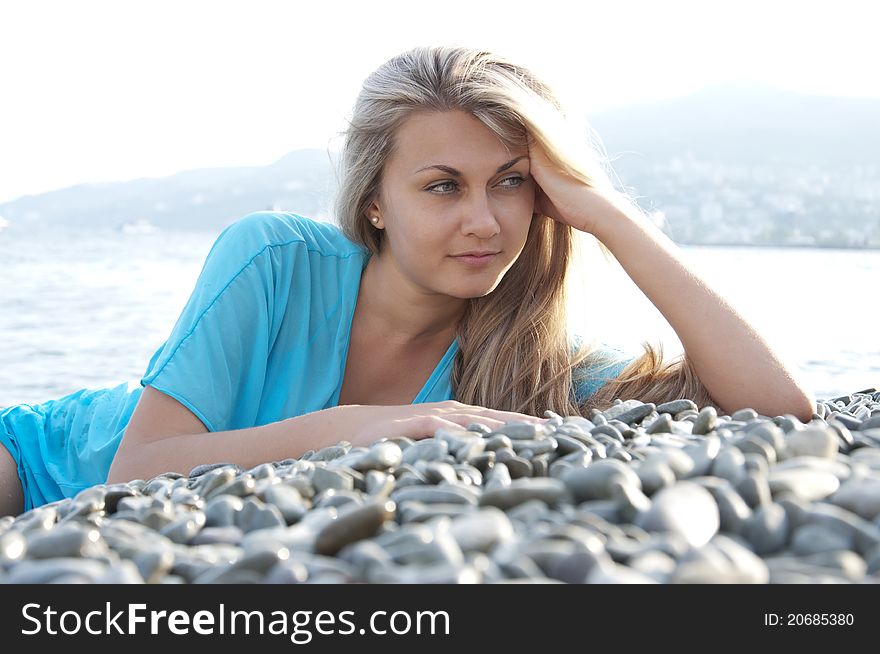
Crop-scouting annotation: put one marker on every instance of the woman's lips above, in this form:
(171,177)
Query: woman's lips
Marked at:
(476,261)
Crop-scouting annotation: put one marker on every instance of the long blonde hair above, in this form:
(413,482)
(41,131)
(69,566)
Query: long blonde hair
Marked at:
(515,349)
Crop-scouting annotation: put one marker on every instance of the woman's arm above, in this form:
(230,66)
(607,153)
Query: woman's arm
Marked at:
(155,442)
(140,458)
(732,360)
(734,363)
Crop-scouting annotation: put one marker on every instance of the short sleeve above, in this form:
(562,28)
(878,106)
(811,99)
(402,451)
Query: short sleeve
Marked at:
(214,362)
(603,366)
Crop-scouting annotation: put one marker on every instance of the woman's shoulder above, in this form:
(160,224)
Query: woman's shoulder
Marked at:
(261,229)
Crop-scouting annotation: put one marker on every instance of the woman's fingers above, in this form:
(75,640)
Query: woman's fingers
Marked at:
(504,416)
(512,416)
(426,426)
(423,422)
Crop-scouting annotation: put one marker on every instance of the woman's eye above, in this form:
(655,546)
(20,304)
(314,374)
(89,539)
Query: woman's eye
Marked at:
(441,184)
(433,189)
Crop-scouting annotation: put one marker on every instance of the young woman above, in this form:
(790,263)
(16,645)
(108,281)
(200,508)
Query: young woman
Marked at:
(440,300)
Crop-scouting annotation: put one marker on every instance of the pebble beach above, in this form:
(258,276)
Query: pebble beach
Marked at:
(640,493)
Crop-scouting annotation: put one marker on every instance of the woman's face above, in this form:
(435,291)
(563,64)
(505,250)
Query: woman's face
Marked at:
(430,215)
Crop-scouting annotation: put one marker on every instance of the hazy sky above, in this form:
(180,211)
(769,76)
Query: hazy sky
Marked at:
(114,90)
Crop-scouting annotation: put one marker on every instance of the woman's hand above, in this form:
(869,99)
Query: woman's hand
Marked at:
(418,421)
(571,201)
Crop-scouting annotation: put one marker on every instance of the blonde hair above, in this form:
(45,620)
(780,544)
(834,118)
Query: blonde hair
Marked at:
(515,349)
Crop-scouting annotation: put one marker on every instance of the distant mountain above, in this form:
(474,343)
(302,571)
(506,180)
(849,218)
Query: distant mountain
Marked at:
(744,123)
(193,200)
(734,123)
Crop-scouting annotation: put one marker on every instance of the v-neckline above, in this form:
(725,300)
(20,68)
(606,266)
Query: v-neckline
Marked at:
(429,384)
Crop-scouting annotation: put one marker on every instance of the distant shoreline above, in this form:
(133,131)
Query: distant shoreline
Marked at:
(801,246)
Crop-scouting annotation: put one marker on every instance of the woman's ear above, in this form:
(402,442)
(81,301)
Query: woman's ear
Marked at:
(374,213)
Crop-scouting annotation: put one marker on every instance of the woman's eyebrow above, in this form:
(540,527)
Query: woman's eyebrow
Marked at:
(457,173)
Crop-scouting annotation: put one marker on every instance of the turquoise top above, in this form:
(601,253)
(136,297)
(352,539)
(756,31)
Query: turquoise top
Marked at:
(263,337)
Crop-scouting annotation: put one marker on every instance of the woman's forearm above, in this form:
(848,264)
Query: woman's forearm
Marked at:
(249,447)
(732,360)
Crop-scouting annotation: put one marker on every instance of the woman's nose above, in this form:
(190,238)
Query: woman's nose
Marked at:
(480,217)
